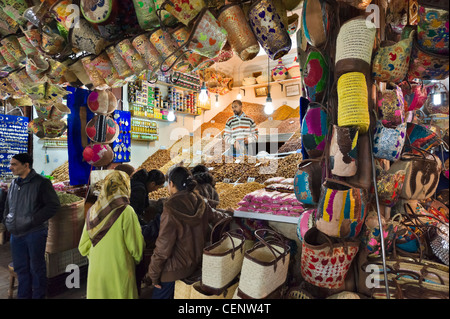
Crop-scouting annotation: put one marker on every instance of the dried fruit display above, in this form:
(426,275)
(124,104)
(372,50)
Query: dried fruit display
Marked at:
(156,161)
(293,144)
(230,196)
(61,173)
(289,125)
(160,193)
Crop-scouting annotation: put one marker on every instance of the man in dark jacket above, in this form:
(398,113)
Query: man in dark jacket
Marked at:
(30,203)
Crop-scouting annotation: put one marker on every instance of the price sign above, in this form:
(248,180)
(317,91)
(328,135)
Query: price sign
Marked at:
(250,180)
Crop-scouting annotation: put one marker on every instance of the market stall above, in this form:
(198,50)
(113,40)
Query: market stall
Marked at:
(349,172)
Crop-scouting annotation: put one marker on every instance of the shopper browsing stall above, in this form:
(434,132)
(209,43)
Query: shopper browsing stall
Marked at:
(240,130)
(205,184)
(143,183)
(30,203)
(182,235)
(113,241)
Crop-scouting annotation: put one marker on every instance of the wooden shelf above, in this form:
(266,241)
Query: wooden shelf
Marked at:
(280,82)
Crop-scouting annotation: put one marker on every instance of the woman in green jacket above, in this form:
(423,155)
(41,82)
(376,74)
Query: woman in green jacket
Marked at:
(113,241)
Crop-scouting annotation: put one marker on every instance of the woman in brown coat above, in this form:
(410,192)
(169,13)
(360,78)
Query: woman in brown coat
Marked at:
(183,233)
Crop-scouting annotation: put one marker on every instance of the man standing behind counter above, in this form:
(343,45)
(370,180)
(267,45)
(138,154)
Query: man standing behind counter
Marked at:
(30,203)
(240,130)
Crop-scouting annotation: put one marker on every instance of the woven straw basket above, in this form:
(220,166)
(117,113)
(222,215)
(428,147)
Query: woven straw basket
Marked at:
(355,40)
(197,292)
(353,107)
(182,290)
(222,262)
(264,268)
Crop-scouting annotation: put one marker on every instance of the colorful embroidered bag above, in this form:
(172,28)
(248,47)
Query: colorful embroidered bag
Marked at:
(388,142)
(325,261)
(420,137)
(344,151)
(427,65)
(102,129)
(422,175)
(433,29)
(390,62)
(305,222)
(315,75)
(414,94)
(342,209)
(315,22)
(307,181)
(314,129)
(389,186)
(391,107)
(98,155)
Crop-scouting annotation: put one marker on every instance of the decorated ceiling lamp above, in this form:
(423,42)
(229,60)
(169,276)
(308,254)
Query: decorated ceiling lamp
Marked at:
(131,57)
(33,36)
(207,37)
(36,127)
(146,14)
(98,11)
(20,80)
(167,47)
(11,43)
(59,111)
(269,30)
(15,9)
(86,38)
(36,67)
(96,79)
(78,69)
(107,71)
(240,35)
(54,129)
(120,65)
(26,46)
(184,11)
(148,52)
(63,13)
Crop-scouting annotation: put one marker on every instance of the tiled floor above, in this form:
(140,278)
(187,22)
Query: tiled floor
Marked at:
(75,293)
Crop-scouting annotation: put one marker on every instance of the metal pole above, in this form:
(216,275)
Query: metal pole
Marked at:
(383,251)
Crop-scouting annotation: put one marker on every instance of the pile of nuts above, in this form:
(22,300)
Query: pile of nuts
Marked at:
(160,193)
(157,160)
(230,196)
(61,173)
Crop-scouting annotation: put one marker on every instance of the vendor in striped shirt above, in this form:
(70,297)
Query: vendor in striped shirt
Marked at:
(240,130)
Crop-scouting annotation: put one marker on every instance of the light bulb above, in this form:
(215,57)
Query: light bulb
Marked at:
(239,96)
(171,116)
(203,96)
(437,99)
(268,107)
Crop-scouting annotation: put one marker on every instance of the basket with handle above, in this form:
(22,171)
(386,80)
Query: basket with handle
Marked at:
(325,261)
(265,266)
(222,262)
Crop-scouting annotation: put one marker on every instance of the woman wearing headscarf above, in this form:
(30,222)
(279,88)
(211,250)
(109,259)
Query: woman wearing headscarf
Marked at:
(205,184)
(113,241)
(183,233)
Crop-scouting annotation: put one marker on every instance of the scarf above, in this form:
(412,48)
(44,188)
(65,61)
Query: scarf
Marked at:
(112,201)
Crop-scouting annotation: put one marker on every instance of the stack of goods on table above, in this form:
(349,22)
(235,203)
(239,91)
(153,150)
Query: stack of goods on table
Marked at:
(277,198)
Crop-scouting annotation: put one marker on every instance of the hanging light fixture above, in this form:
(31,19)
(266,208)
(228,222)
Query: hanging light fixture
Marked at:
(203,96)
(217,101)
(171,116)
(239,96)
(268,106)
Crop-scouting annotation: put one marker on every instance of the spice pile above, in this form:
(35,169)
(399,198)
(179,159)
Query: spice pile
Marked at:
(67,199)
